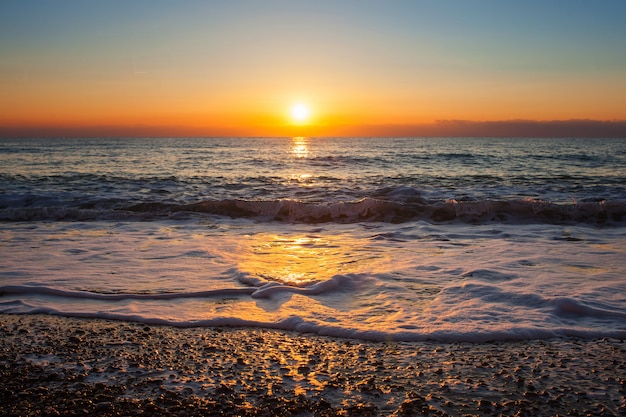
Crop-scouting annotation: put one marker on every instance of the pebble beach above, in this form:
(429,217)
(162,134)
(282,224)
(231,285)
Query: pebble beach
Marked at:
(51,365)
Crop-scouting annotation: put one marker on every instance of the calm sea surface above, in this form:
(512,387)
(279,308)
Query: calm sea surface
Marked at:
(406,239)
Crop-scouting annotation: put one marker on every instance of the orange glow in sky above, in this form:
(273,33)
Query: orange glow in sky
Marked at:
(213,68)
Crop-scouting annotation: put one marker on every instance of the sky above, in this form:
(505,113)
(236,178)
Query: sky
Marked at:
(361,68)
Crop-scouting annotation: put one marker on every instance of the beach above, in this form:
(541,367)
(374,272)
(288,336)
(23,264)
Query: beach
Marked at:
(312,277)
(53,365)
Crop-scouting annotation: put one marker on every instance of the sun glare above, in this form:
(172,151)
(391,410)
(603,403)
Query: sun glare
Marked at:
(300,113)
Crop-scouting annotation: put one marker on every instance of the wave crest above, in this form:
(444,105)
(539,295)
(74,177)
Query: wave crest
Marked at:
(395,206)
(375,210)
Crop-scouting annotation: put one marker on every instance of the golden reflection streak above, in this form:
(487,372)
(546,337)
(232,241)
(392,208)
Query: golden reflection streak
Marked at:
(299,147)
(300,260)
(300,150)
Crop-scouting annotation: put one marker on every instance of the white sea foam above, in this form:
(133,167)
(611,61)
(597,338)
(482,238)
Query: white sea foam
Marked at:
(371,281)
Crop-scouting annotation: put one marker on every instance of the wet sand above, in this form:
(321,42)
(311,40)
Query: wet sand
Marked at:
(64,366)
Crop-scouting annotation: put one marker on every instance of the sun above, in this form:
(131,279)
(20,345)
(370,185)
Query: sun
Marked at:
(300,113)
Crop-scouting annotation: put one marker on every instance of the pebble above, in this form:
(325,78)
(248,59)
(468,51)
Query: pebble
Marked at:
(158,370)
(104,406)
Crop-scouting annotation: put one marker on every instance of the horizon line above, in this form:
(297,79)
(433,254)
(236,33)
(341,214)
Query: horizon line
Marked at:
(511,128)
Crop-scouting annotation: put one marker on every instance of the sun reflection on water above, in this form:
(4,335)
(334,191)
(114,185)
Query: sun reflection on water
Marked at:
(300,260)
(300,150)
(300,147)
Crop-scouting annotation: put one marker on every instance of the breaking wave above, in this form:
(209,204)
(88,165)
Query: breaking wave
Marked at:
(364,210)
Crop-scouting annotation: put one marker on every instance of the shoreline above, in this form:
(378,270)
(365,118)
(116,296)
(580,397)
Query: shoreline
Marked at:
(52,365)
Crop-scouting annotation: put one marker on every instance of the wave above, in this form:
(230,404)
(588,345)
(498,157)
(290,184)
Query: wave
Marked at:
(364,210)
(27,290)
(301,325)
(261,289)
(376,210)
(565,307)
(564,316)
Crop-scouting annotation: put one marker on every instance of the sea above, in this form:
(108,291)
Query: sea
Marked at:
(381,239)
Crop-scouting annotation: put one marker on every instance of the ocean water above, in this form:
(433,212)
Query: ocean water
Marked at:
(456,239)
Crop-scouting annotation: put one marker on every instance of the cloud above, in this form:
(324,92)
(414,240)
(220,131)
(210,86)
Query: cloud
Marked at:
(580,128)
(533,128)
